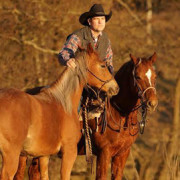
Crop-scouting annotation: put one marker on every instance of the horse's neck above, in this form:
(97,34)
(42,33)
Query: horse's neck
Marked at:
(127,98)
(67,90)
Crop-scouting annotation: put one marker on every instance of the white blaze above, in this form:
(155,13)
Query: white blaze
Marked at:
(148,74)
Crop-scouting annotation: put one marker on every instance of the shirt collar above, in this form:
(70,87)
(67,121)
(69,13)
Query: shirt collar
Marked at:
(95,39)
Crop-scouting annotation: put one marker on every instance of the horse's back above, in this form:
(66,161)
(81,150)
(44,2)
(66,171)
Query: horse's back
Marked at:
(13,101)
(13,116)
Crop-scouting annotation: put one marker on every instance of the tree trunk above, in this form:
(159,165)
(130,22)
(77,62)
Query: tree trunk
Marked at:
(174,148)
(148,20)
(38,69)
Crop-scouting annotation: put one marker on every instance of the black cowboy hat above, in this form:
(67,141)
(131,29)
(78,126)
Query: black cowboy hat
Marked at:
(96,10)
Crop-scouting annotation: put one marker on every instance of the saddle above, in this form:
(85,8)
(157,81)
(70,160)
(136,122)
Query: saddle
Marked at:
(93,105)
(94,108)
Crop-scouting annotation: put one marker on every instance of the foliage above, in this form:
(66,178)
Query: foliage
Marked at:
(33,32)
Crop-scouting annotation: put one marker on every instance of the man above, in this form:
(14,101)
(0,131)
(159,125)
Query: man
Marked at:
(94,23)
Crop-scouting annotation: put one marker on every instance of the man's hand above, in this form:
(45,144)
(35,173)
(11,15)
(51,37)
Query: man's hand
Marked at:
(71,63)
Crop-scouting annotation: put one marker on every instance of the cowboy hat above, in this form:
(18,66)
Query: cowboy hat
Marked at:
(95,10)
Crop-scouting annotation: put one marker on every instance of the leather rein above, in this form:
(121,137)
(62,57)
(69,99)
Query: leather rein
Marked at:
(103,81)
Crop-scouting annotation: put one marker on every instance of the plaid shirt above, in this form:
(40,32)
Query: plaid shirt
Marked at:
(73,43)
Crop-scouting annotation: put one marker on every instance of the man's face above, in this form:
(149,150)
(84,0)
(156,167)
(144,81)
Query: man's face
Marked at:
(97,23)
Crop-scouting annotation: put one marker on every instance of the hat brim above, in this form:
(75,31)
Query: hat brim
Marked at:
(84,17)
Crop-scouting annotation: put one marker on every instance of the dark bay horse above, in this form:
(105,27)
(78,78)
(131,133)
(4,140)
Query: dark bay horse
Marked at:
(136,80)
(39,125)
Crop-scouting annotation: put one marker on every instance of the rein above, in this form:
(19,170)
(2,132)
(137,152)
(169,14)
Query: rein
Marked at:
(104,81)
(87,133)
(119,124)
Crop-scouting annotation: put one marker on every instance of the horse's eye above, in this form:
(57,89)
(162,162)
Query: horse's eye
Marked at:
(137,77)
(103,66)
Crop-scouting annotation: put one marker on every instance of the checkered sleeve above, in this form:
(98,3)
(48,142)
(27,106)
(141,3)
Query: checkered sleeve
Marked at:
(109,58)
(69,49)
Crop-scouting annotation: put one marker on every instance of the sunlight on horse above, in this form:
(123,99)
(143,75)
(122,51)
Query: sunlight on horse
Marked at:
(136,80)
(39,125)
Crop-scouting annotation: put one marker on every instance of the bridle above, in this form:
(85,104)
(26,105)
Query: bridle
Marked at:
(141,94)
(103,81)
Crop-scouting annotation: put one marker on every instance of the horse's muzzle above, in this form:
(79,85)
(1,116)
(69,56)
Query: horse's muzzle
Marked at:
(152,104)
(113,91)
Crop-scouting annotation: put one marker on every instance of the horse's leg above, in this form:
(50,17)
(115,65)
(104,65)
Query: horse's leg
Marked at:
(43,162)
(118,164)
(10,163)
(69,154)
(21,168)
(34,170)
(103,160)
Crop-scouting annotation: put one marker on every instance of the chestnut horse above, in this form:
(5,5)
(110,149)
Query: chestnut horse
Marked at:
(39,125)
(136,80)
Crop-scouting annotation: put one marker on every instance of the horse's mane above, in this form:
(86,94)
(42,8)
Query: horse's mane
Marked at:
(68,82)
(126,68)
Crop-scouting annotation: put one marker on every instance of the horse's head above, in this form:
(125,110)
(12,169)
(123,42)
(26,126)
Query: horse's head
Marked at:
(144,77)
(98,74)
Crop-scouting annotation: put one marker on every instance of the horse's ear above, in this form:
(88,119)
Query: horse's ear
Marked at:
(90,49)
(153,57)
(134,59)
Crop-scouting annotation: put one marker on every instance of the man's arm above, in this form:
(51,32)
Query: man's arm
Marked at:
(109,58)
(67,54)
